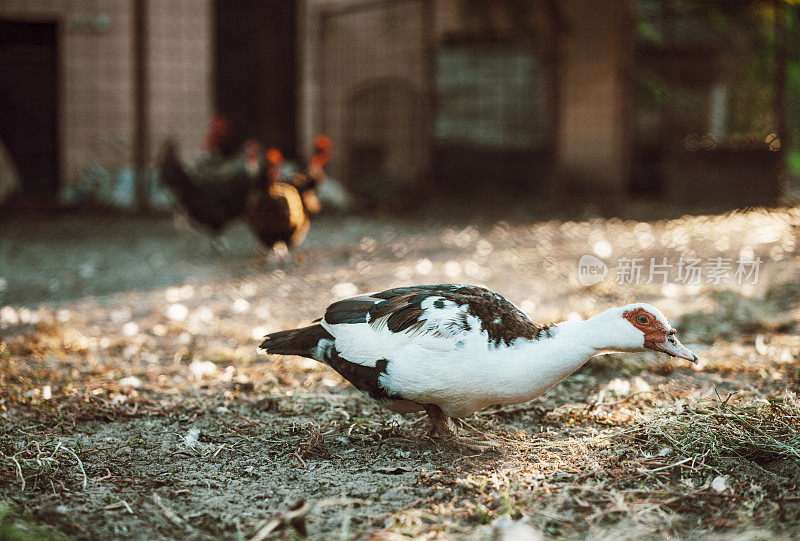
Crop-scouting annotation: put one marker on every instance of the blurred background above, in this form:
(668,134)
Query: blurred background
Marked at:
(679,101)
(571,155)
(442,115)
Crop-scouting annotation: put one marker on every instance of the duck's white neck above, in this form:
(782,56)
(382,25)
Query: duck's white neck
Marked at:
(587,338)
(537,365)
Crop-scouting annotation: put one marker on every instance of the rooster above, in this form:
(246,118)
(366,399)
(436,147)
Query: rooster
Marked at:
(213,193)
(309,180)
(275,210)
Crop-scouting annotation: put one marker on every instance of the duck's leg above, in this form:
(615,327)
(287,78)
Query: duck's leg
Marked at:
(443,426)
(446,429)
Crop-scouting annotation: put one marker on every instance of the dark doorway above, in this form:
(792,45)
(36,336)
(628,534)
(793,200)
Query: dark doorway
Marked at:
(255,70)
(28,98)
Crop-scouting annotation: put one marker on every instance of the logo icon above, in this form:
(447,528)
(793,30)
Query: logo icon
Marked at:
(591,270)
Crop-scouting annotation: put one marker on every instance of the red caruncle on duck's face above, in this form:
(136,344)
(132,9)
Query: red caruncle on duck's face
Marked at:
(657,335)
(653,329)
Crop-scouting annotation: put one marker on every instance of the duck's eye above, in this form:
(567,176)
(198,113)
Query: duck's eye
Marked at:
(643,320)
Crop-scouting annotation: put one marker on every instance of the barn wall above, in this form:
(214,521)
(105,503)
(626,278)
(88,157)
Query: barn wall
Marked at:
(96,75)
(582,126)
(181,52)
(96,109)
(363,83)
(492,121)
(595,49)
(397,48)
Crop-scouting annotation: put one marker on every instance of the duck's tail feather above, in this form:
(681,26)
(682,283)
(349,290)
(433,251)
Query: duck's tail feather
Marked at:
(304,342)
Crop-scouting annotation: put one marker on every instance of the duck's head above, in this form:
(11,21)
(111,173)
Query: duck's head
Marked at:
(641,326)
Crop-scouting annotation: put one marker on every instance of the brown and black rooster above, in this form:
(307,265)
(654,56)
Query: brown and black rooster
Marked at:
(309,180)
(274,210)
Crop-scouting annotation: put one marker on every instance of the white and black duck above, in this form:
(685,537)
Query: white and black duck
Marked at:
(453,349)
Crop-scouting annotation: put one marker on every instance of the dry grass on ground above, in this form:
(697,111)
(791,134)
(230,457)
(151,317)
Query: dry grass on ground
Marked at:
(148,413)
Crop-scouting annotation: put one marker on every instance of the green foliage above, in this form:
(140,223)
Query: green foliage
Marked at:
(793,162)
(742,40)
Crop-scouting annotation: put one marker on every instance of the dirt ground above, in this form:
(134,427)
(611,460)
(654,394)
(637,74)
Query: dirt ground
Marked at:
(135,404)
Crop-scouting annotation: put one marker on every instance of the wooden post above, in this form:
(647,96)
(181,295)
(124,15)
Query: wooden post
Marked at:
(552,59)
(141,137)
(429,38)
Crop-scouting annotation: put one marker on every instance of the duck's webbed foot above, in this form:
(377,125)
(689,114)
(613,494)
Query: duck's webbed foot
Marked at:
(446,430)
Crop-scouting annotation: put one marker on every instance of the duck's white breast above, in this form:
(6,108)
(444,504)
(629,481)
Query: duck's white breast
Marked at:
(463,381)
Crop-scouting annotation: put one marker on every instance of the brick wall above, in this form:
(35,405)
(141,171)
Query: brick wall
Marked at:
(96,75)
(181,72)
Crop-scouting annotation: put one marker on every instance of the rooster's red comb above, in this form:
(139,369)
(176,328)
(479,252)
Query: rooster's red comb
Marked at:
(218,130)
(274,156)
(323,142)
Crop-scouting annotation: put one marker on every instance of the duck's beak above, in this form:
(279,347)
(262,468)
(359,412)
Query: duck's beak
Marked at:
(672,347)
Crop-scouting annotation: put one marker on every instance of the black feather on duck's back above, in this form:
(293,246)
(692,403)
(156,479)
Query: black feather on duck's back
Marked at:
(400,309)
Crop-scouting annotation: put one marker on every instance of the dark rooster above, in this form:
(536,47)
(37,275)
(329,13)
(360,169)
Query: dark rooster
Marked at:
(309,180)
(213,193)
(275,210)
